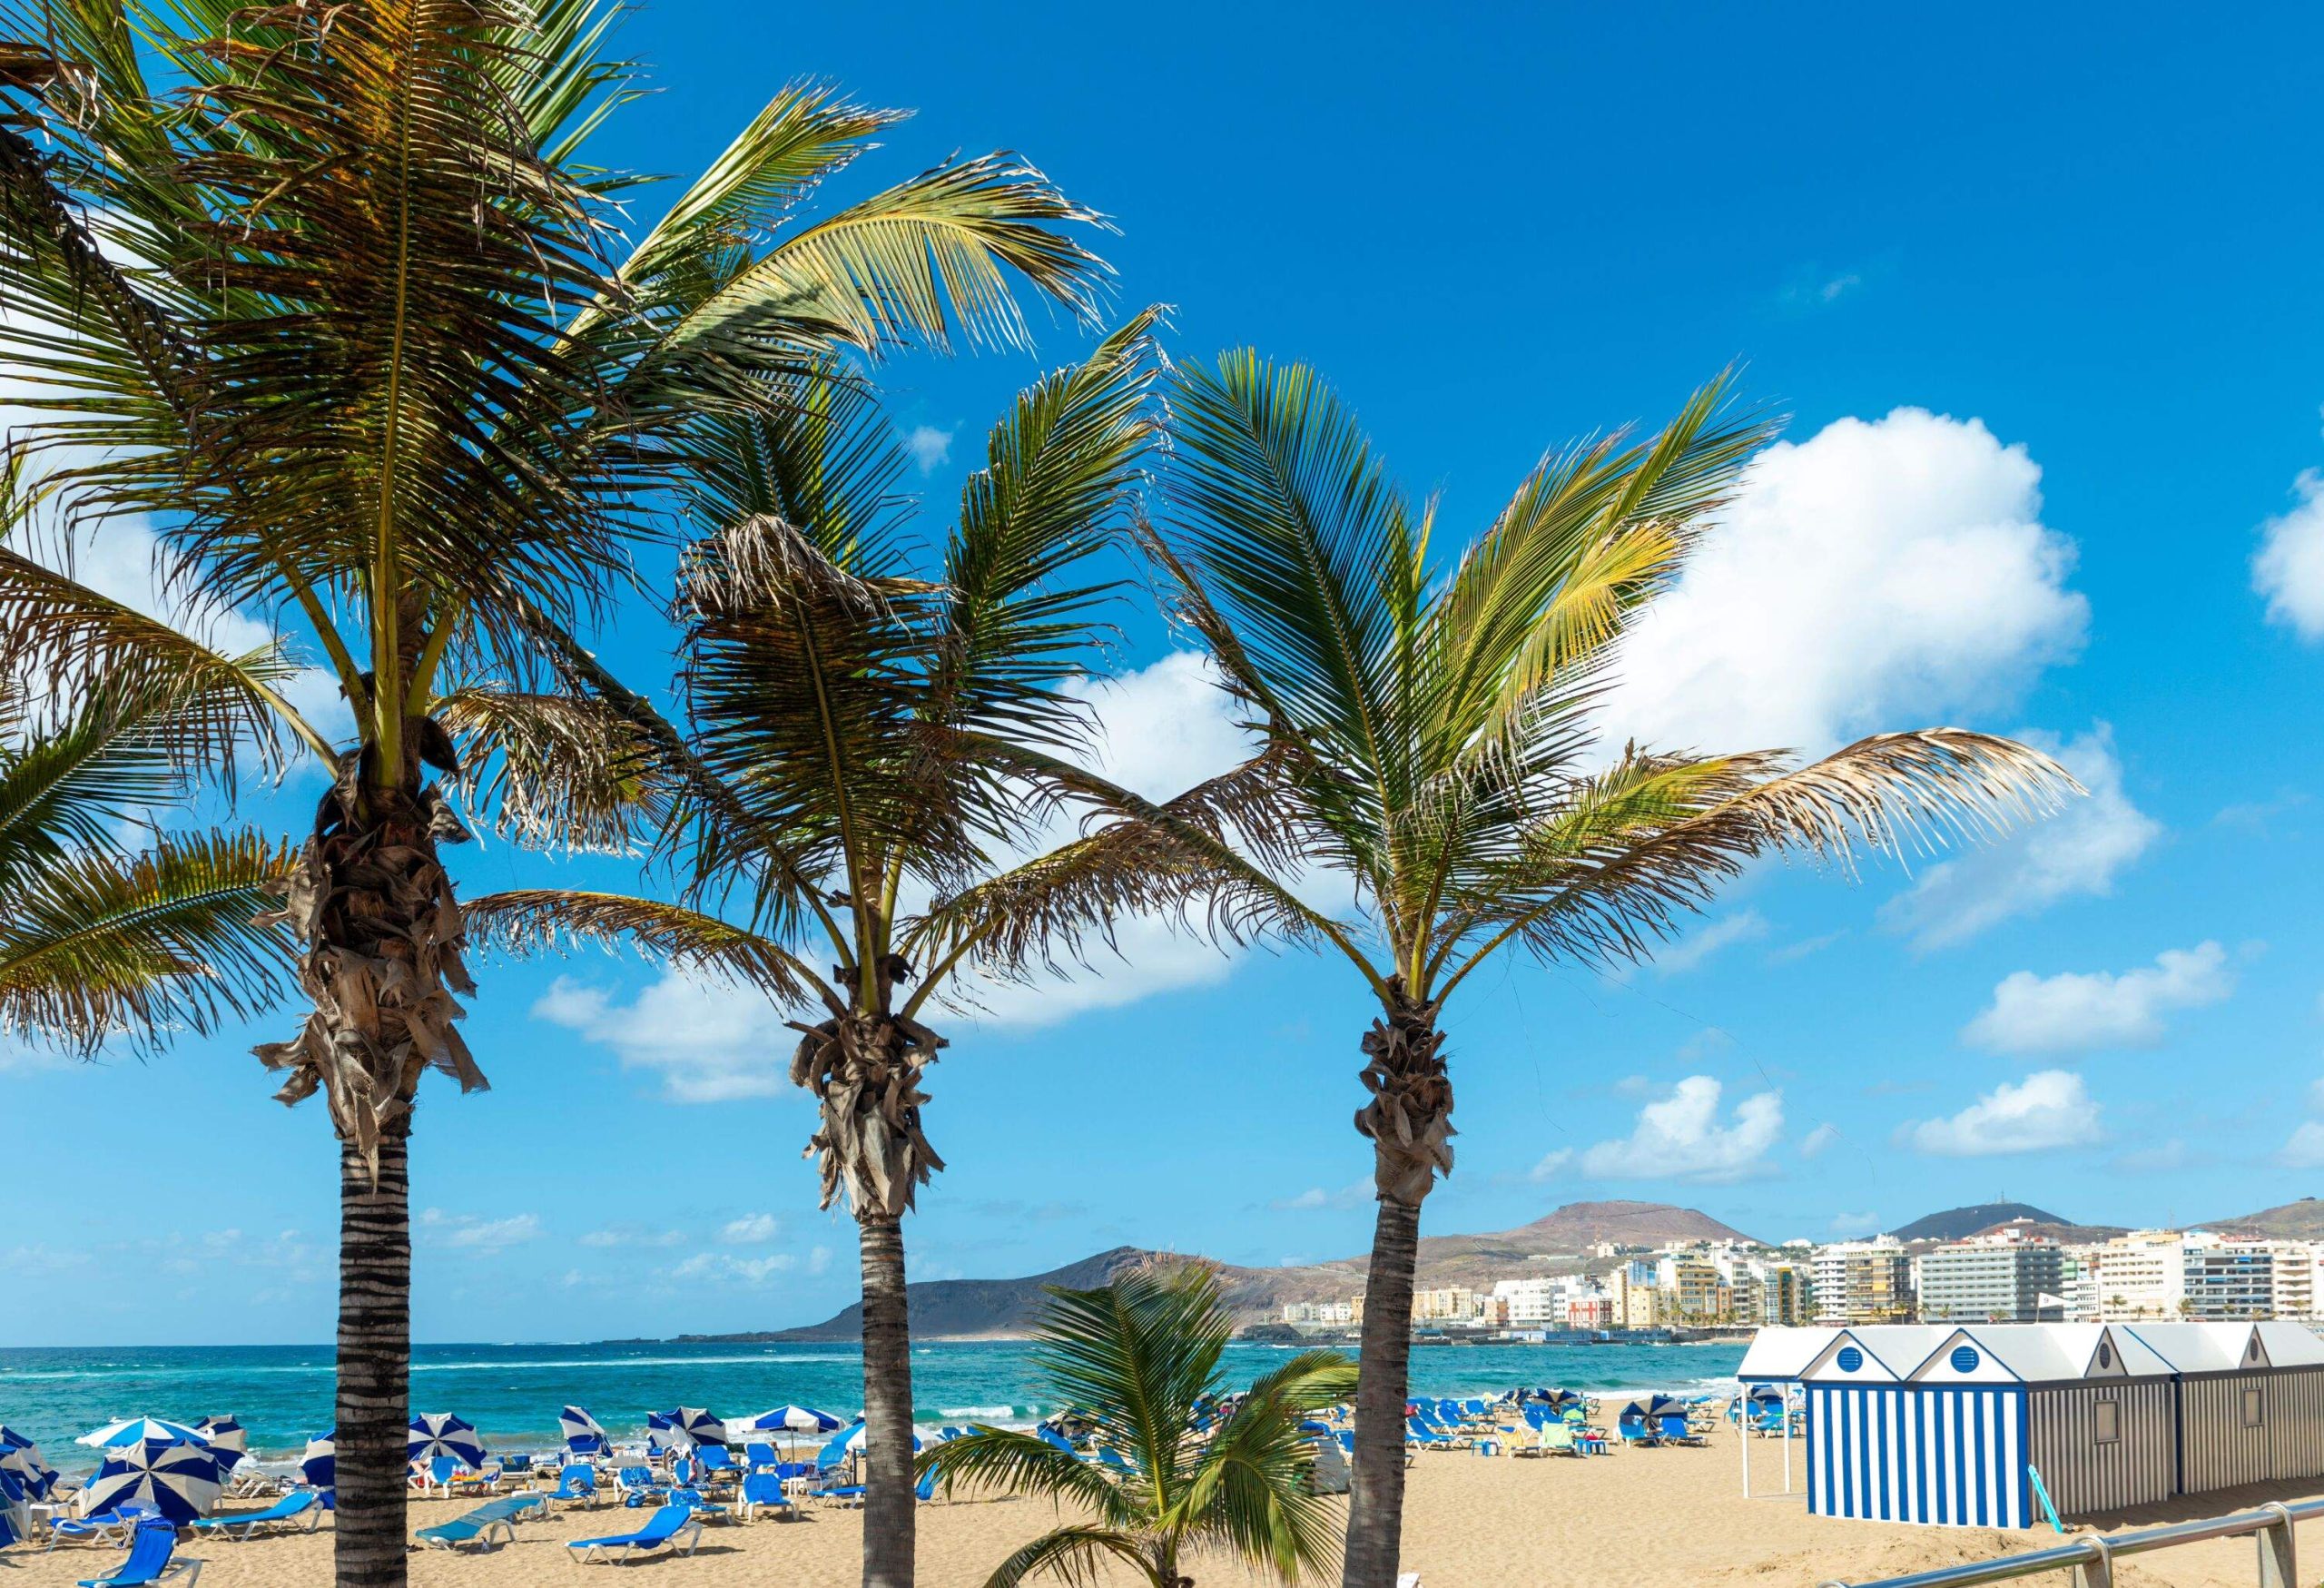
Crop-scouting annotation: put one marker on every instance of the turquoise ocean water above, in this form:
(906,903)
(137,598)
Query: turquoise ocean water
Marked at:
(512,1394)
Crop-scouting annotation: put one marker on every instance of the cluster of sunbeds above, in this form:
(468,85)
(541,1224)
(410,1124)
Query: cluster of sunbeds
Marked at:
(1553,1424)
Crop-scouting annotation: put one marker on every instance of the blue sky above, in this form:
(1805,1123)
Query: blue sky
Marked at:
(2046,323)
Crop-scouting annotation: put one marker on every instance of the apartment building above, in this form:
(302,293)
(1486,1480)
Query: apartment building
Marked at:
(1863,1281)
(1989,1281)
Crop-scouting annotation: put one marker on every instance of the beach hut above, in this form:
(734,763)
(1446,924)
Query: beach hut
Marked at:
(1772,1364)
(2249,1401)
(1971,1427)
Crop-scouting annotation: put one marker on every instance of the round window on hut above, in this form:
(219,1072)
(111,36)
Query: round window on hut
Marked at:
(1965,1359)
(1850,1359)
(2105,1354)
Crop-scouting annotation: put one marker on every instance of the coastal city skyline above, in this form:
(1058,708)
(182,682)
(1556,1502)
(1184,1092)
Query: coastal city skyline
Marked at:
(2113,1014)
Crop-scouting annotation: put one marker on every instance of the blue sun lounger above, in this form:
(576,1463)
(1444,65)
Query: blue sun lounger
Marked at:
(149,1562)
(298,1502)
(662,1531)
(575,1485)
(480,1525)
(763,1491)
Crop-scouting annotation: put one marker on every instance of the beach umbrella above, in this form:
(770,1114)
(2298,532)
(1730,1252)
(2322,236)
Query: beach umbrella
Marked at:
(440,1434)
(15,1518)
(686,1427)
(791,1419)
(856,1434)
(141,1431)
(227,1436)
(318,1465)
(581,1435)
(178,1479)
(21,1458)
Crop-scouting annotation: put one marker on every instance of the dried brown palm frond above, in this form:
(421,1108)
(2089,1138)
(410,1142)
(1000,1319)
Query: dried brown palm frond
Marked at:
(560,771)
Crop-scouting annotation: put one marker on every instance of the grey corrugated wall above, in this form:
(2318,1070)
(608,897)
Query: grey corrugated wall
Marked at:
(2086,1476)
(2216,1451)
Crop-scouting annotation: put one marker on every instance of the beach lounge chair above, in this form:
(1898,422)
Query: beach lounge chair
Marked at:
(1418,1433)
(638,1487)
(1634,1429)
(298,1502)
(756,1455)
(480,1525)
(436,1475)
(718,1464)
(663,1530)
(575,1485)
(114,1526)
(763,1491)
(149,1551)
(1676,1429)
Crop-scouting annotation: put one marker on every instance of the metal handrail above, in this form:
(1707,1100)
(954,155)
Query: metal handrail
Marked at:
(2091,1557)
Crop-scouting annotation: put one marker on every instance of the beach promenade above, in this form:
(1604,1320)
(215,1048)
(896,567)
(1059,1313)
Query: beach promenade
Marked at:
(1638,1517)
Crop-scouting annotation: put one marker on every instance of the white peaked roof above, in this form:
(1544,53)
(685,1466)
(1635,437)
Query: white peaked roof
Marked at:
(2227,1347)
(1782,1354)
(2038,1354)
(1874,1353)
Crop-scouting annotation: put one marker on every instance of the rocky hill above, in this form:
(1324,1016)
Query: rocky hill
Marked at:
(989,1308)
(1959,1223)
(2300,1220)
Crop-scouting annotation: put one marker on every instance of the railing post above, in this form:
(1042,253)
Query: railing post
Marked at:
(2098,1572)
(2277,1567)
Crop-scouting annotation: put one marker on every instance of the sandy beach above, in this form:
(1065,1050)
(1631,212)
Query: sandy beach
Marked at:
(1638,1516)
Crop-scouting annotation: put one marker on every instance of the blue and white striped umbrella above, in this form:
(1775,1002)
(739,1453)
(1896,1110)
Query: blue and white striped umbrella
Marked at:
(227,1436)
(21,1458)
(855,1436)
(15,1518)
(794,1419)
(178,1480)
(583,1436)
(687,1426)
(319,1465)
(139,1431)
(438,1434)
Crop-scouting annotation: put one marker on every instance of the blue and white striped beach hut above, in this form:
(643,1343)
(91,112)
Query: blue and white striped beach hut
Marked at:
(1971,1427)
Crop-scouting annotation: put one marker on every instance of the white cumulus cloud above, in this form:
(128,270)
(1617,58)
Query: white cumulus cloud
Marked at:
(2049,1108)
(725,1267)
(1816,1141)
(2077,851)
(750,1229)
(2079,1011)
(470,1233)
(1882,574)
(1679,1136)
(710,1041)
(931,448)
(2289,566)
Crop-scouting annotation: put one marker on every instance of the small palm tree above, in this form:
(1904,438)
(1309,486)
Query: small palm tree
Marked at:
(1138,1360)
(1429,732)
(840,794)
(337,297)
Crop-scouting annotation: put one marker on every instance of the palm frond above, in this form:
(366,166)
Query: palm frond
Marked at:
(561,771)
(929,260)
(1075,1555)
(96,945)
(1010,1461)
(533,921)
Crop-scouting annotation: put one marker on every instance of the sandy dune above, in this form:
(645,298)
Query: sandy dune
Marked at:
(1636,1517)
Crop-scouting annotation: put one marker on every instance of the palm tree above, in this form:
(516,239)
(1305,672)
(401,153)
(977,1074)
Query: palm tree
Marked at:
(1139,1360)
(1430,735)
(102,941)
(833,784)
(330,298)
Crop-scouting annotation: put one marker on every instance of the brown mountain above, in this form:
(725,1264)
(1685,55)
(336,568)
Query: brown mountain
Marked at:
(971,1308)
(1981,1218)
(2300,1220)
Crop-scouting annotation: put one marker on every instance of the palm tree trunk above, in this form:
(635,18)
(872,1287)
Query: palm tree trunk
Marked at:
(374,1363)
(889,1505)
(1410,1122)
(1375,1506)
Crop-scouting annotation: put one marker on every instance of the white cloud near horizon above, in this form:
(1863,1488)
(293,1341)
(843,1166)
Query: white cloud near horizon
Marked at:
(2049,1108)
(1353,1195)
(725,1267)
(468,1232)
(2080,1011)
(1882,573)
(2289,566)
(1679,1136)
(1813,1144)
(2076,852)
